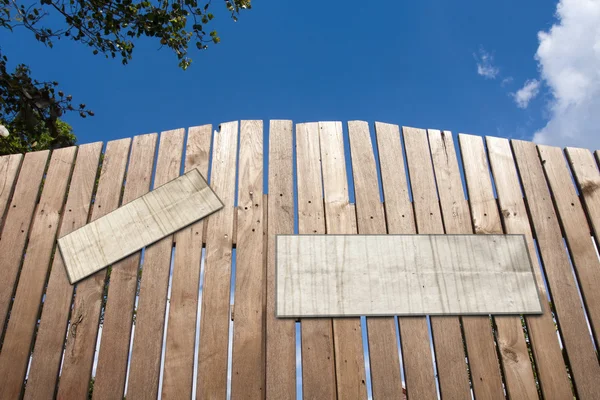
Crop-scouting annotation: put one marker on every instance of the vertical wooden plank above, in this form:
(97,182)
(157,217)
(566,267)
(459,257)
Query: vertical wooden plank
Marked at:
(396,197)
(19,332)
(214,324)
(576,230)
(144,371)
(50,337)
(587,178)
(383,348)
(118,313)
(16,225)
(181,331)
(416,350)
(340,218)
(281,333)
(248,352)
(446,333)
(483,361)
(85,314)
(570,316)
(518,372)
(9,169)
(546,350)
(318,364)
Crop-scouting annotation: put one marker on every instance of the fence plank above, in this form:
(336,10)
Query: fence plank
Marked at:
(50,337)
(518,372)
(214,325)
(181,331)
(340,218)
(383,348)
(447,336)
(546,351)
(85,314)
(146,353)
(416,350)
(571,319)
(318,364)
(483,362)
(118,314)
(248,352)
(587,178)
(30,288)
(576,230)
(9,169)
(281,334)
(16,225)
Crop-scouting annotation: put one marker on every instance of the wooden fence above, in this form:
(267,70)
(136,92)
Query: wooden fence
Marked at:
(50,329)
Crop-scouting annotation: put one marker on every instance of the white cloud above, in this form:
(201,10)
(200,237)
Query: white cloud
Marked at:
(527,93)
(569,60)
(485,65)
(506,81)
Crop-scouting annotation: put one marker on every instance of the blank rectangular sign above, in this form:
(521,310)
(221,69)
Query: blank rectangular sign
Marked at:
(139,223)
(376,275)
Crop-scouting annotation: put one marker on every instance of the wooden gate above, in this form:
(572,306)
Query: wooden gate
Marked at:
(144,326)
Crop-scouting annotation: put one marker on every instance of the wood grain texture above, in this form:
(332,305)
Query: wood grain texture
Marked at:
(396,193)
(118,314)
(248,352)
(587,178)
(28,296)
(518,372)
(384,358)
(446,332)
(340,218)
(50,337)
(214,324)
(479,339)
(16,225)
(85,312)
(576,230)
(414,333)
(181,331)
(318,364)
(281,334)
(144,371)
(9,169)
(570,315)
(546,350)
(448,275)
(141,222)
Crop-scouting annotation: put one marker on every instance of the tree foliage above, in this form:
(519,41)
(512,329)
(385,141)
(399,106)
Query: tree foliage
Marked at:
(108,28)
(33,135)
(29,109)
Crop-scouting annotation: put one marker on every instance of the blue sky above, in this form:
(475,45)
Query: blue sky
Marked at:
(410,63)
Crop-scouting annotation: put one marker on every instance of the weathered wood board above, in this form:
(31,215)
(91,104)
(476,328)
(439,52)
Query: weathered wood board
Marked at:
(376,275)
(142,222)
